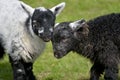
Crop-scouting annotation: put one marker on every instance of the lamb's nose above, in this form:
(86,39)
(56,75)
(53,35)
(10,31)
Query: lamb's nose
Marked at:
(57,55)
(47,39)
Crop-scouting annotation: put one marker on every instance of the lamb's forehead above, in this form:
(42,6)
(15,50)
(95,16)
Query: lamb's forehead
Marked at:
(61,28)
(62,25)
(42,9)
(43,13)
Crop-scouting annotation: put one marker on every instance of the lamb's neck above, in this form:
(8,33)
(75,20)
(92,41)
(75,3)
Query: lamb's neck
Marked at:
(84,47)
(32,44)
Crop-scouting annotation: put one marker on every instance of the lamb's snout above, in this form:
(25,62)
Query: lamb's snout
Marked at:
(57,55)
(46,39)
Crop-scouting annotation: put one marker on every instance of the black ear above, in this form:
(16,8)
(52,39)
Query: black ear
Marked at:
(85,29)
(58,8)
(29,9)
(80,26)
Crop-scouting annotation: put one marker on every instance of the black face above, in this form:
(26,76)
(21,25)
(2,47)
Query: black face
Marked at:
(42,23)
(62,40)
(69,36)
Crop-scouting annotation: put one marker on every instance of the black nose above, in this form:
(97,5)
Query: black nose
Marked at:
(46,39)
(57,55)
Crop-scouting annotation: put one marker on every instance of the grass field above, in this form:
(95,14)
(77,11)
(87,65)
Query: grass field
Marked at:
(72,66)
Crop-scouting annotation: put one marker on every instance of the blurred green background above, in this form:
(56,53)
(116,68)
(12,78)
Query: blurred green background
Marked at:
(72,66)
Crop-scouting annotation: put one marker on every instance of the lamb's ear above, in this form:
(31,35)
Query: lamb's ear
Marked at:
(56,24)
(29,9)
(58,8)
(80,25)
(77,24)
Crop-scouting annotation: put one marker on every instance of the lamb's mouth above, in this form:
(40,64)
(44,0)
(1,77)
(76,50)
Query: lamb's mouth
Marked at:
(45,39)
(59,55)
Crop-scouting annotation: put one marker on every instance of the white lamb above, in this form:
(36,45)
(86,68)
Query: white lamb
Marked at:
(23,33)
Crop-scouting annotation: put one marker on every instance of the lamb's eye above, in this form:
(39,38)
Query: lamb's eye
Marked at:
(64,40)
(35,23)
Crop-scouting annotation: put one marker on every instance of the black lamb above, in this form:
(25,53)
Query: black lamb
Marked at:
(97,39)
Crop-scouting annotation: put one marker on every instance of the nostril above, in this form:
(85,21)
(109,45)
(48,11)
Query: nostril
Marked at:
(48,38)
(56,55)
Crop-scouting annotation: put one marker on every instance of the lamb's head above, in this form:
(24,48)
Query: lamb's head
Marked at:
(43,20)
(67,35)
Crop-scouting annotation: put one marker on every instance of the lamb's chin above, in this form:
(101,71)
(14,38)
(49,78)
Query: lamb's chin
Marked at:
(58,55)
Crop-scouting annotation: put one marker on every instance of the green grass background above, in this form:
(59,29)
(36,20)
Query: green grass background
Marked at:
(72,66)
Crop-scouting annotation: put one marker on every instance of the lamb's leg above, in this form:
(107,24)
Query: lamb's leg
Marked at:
(111,58)
(111,72)
(28,69)
(96,70)
(18,70)
(22,70)
(2,52)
